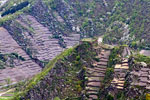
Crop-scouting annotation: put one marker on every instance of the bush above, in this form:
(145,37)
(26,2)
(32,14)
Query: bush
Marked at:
(15,54)
(110,97)
(113,57)
(78,58)
(56,98)
(2,64)
(108,75)
(141,58)
(134,45)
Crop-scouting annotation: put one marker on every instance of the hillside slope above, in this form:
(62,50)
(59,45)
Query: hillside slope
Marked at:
(125,21)
(91,72)
(44,28)
(63,78)
(129,24)
(34,32)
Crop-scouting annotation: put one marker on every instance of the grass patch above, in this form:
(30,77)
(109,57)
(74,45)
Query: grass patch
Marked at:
(6,98)
(87,39)
(141,58)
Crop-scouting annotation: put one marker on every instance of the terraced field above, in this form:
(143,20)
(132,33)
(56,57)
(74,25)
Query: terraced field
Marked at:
(120,73)
(46,47)
(22,69)
(43,45)
(141,77)
(42,40)
(96,75)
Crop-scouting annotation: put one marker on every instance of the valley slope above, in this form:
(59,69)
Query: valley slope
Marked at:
(34,33)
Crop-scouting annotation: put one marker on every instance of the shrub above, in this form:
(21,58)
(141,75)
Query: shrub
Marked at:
(78,58)
(113,57)
(56,98)
(141,58)
(110,97)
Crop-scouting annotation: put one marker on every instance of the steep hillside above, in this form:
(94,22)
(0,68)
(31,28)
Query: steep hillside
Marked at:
(124,21)
(65,17)
(91,72)
(42,29)
(64,77)
(34,33)
(129,24)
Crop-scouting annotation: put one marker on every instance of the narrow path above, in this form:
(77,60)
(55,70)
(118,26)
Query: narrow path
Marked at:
(96,75)
(126,52)
(5,92)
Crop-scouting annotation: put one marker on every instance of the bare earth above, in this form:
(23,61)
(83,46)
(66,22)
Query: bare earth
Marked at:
(145,52)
